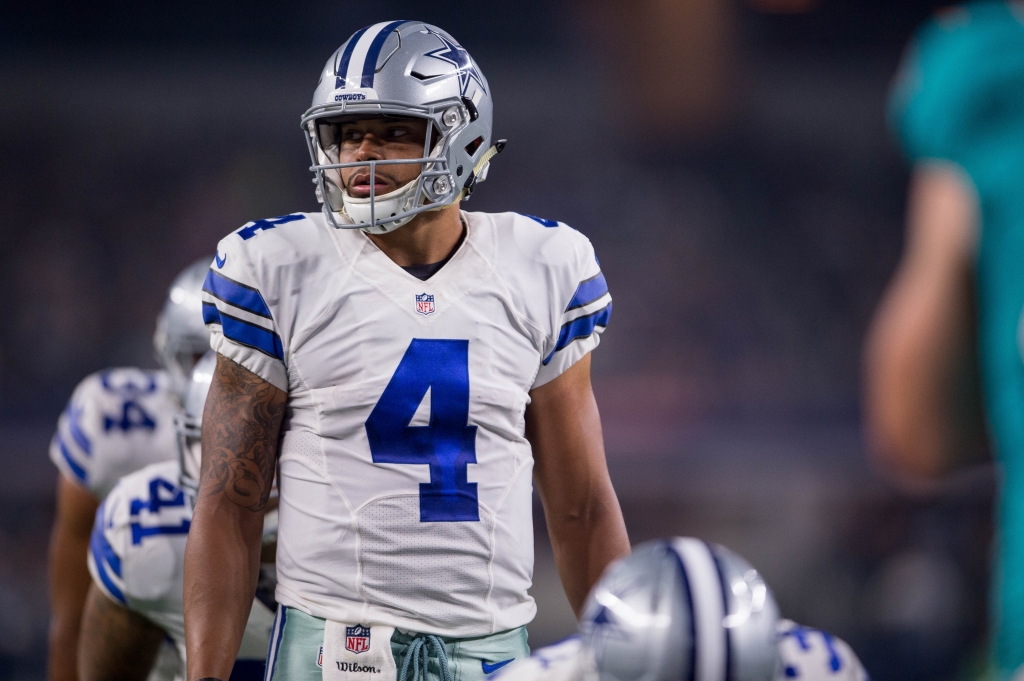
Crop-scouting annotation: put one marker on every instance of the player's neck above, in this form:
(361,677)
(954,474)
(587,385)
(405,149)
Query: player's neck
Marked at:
(429,238)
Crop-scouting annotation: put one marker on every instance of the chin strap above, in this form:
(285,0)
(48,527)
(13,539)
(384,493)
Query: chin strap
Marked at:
(471,181)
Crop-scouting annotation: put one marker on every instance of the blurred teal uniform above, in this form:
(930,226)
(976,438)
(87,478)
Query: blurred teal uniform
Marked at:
(960,98)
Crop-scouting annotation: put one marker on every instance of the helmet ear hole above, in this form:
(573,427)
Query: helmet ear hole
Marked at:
(474,146)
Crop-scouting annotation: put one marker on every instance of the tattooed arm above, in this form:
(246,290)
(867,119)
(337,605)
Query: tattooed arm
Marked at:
(241,425)
(117,644)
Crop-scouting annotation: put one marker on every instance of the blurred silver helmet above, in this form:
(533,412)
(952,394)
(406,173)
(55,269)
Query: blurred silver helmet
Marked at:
(181,335)
(403,69)
(682,609)
(189,424)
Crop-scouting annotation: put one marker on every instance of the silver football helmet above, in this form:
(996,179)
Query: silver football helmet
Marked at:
(189,424)
(682,609)
(181,335)
(402,69)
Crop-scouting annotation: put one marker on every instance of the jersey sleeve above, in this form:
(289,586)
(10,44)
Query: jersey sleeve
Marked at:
(137,546)
(583,309)
(959,83)
(71,448)
(117,421)
(105,561)
(241,324)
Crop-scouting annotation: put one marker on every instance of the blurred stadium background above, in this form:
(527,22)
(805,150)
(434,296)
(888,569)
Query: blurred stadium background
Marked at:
(729,160)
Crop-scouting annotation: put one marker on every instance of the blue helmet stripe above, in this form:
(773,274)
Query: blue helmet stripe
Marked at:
(692,674)
(346,56)
(370,63)
(725,609)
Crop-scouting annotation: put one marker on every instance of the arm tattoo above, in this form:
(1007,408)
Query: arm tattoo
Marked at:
(241,424)
(116,644)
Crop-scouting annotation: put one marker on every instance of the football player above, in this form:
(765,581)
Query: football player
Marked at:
(410,370)
(136,556)
(116,422)
(685,609)
(958,293)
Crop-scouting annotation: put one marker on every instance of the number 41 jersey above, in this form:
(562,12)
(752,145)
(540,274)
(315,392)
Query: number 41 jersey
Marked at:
(405,476)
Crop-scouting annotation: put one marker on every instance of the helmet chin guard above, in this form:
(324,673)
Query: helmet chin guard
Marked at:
(401,69)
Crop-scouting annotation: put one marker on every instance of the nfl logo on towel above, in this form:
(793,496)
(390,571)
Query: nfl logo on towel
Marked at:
(425,303)
(357,638)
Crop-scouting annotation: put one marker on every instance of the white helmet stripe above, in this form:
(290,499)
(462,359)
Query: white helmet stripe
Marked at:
(357,61)
(708,610)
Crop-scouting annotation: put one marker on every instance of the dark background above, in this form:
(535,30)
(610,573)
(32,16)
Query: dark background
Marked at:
(730,161)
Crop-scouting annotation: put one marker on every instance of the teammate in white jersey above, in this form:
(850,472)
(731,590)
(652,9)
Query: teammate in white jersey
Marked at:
(136,556)
(116,422)
(685,609)
(412,369)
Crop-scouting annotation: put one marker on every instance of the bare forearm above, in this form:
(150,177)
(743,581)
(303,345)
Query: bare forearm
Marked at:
(222,569)
(69,583)
(241,424)
(68,576)
(583,515)
(118,644)
(922,407)
(585,541)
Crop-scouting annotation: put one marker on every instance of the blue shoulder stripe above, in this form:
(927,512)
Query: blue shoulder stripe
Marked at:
(544,221)
(588,291)
(234,293)
(77,469)
(581,327)
(370,63)
(103,555)
(245,333)
(73,415)
(211,315)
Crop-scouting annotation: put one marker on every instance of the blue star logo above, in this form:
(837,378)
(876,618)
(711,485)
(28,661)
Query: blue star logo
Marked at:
(453,53)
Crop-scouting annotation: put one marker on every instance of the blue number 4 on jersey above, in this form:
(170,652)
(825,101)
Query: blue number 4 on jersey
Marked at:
(448,444)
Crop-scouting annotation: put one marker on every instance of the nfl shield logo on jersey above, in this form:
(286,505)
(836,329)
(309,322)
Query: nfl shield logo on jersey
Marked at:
(357,638)
(425,303)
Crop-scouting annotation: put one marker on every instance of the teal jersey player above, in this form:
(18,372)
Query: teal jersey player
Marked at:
(958,108)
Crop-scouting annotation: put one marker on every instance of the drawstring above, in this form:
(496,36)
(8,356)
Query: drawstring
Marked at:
(418,654)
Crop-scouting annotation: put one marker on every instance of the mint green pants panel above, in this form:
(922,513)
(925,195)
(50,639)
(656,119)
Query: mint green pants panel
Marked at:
(295,649)
(469,659)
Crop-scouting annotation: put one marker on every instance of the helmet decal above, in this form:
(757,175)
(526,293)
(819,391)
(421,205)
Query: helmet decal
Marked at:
(453,53)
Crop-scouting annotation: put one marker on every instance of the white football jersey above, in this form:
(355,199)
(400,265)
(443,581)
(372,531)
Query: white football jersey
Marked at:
(137,555)
(405,476)
(116,422)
